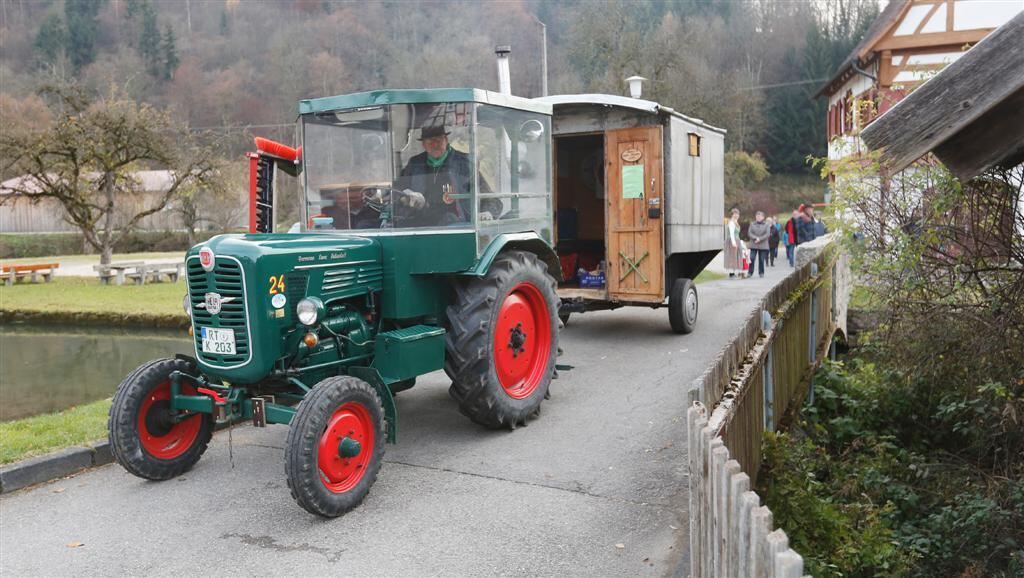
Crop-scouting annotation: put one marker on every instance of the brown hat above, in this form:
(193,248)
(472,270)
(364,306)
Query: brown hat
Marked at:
(433,131)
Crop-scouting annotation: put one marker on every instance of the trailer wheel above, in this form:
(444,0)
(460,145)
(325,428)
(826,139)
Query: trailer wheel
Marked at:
(144,439)
(503,341)
(335,446)
(682,306)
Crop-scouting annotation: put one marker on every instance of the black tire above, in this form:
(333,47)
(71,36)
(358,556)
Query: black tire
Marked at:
(150,446)
(308,482)
(682,306)
(473,321)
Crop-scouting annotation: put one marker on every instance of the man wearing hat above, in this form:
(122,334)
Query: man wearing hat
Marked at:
(435,178)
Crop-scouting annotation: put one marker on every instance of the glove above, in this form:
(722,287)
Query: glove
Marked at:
(486,216)
(413,200)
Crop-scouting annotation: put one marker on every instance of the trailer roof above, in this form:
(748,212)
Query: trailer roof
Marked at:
(648,106)
(420,96)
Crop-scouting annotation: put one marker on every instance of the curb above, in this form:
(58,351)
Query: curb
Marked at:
(52,466)
(94,319)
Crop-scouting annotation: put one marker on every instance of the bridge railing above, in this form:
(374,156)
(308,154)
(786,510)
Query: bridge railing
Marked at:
(761,376)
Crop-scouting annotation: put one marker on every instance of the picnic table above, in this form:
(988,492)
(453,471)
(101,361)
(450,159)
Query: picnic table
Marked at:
(139,271)
(13,273)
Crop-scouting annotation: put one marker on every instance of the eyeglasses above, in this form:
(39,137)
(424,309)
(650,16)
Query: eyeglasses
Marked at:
(434,139)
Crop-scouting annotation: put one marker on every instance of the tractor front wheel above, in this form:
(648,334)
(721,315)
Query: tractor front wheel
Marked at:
(503,341)
(335,446)
(146,437)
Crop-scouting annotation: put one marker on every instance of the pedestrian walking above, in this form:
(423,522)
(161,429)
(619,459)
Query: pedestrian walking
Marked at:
(806,230)
(759,231)
(773,241)
(791,237)
(733,254)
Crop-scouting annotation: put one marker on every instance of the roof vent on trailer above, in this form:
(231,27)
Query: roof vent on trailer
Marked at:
(636,86)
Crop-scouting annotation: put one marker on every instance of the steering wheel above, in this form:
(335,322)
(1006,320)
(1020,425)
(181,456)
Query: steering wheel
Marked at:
(381,200)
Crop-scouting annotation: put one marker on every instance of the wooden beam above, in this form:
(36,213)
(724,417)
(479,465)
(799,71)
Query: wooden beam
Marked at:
(957,38)
(967,89)
(995,137)
(949,15)
(927,17)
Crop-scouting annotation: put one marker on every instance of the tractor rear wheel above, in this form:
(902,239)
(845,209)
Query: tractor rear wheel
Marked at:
(145,437)
(335,446)
(503,341)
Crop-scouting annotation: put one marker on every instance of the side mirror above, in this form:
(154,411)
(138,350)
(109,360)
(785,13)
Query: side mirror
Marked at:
(531,131)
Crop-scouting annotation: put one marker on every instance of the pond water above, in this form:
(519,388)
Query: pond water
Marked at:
(50,368)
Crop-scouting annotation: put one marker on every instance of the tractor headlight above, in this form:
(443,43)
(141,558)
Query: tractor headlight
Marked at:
(310,311)
(186,304)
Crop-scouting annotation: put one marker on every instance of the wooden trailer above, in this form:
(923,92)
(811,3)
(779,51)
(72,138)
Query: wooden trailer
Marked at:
(639,197)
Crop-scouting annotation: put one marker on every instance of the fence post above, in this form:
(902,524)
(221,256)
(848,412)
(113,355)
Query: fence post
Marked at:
(761,525)
(768,374)
(749,501)
(737,482)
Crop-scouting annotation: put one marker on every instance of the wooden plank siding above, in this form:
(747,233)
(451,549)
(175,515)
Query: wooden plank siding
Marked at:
(19,215)
(776,351)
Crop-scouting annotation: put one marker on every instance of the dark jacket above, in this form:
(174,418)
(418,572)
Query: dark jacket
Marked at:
(441,187)
(805,231)
(819,228)
(773,237)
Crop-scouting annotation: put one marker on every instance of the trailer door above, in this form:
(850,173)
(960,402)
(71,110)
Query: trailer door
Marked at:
(634,185)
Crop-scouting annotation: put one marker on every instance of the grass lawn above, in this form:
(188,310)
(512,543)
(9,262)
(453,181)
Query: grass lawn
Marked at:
(42,434)
(708,275)
(83,294)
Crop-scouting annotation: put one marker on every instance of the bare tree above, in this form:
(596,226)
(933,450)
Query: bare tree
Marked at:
(86,158)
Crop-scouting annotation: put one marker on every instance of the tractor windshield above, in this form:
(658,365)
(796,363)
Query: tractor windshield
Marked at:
(390,167)
(429,165)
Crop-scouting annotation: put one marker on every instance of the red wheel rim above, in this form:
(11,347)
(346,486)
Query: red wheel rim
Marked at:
(169,440)
(350,423)
(522,341)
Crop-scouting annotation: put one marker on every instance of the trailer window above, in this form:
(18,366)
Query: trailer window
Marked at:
(694,144)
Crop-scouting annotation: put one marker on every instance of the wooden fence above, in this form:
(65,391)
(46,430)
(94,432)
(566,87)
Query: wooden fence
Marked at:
(756,380)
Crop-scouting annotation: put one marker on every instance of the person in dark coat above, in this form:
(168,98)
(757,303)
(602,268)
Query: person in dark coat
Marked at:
(773,241)
(806,230)
(433,181)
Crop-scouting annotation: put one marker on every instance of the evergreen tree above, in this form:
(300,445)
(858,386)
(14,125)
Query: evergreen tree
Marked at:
(170,52)
(149,39)
(82,27)
(51,40)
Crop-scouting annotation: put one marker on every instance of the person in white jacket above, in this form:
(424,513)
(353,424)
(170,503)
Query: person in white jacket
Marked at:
(733,254)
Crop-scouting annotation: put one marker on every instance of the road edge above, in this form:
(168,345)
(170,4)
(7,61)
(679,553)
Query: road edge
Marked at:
(59,464)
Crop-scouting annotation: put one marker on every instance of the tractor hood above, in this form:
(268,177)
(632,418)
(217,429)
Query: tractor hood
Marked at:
(245,288)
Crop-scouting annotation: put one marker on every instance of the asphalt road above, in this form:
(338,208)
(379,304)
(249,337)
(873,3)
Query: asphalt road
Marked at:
(597,485)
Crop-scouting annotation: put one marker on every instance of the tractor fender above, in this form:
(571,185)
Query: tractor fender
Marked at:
(528,241)
(372,376)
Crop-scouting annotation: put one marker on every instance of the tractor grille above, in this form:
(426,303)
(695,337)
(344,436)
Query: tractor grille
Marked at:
(296,283)
(228,280)
(344,277)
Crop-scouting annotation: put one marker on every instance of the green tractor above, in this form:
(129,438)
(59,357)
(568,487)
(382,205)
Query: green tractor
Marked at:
(423,242)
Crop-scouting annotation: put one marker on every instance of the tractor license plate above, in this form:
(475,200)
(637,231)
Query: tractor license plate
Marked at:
(218,341)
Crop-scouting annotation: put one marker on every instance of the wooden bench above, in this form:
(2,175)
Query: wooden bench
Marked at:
(152,272)
(115,271)
(12,273)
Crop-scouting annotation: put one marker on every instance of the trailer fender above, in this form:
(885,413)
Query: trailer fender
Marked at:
(528,241)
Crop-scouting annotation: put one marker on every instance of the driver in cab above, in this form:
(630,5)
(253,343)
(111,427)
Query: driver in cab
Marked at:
(438,183)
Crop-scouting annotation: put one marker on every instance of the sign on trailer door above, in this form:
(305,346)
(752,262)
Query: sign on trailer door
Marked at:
(635,207)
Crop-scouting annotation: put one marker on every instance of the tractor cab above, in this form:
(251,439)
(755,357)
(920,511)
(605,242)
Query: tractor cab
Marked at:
(413,161)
